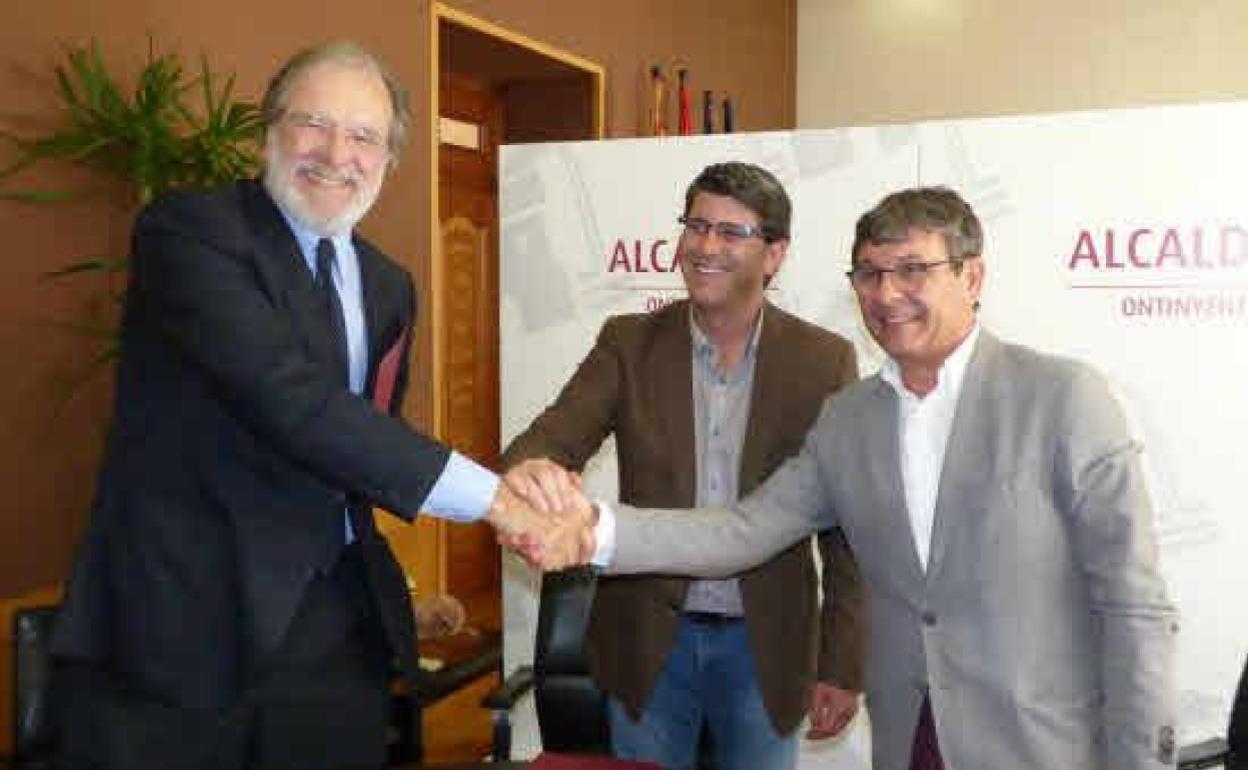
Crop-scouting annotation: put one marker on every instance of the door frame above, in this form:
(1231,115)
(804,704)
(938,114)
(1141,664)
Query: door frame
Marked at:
(444,14)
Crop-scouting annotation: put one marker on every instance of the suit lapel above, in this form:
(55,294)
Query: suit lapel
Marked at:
(279,256)
(766,396)
(967,466)
(673,363)
(882,443)
(370,288)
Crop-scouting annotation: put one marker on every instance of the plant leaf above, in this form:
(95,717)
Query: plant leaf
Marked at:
(107,264)
(40,196)
(164,129)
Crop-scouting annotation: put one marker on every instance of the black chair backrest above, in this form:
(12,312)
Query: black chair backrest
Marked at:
(34,708)
(1237,731)
(571,710)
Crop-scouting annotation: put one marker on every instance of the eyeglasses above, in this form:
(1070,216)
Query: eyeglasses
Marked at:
(363,137)
(908,275)
(729,232)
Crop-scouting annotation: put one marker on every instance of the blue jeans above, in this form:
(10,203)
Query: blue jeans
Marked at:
(709,676)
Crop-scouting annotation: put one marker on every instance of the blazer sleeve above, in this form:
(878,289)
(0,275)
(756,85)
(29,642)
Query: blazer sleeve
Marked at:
(573,427)
(1102,487)
(843,621)
(843,616)
(794,503)
(197,280)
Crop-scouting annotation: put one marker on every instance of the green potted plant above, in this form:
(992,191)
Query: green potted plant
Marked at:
(172,128)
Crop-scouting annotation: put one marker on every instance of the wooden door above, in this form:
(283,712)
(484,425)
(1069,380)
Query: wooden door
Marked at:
(470,124)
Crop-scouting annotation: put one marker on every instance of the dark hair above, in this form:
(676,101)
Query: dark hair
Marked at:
(273,105)
(752,186)
(930,209)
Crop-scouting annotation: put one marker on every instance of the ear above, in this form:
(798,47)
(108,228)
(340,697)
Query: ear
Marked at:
(973,273)
(773,256)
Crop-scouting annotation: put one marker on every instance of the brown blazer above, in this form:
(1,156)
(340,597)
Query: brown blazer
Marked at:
(637,383)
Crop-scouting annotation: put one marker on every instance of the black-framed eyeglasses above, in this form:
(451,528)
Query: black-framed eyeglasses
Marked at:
(907,275)
(730,232)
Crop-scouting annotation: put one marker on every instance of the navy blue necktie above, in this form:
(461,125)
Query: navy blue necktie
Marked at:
(325,257)
(326,254)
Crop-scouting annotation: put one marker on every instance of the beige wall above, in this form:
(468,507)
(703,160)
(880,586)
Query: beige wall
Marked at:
(866,62)
(48,463)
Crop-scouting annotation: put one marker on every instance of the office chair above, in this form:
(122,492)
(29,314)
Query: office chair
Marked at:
(571,710)
(406,744)
(34,704)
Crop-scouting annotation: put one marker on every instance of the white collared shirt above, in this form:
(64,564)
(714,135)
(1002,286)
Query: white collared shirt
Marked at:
(923,427)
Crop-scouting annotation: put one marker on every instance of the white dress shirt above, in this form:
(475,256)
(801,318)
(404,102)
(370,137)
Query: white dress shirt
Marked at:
(923,427)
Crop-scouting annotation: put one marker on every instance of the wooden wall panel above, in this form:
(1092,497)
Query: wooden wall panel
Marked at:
(47,466)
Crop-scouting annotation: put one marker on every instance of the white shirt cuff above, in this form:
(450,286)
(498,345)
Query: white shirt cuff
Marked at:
(463,492)
(604,535)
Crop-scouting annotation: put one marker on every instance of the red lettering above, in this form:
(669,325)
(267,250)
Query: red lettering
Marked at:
(638,265)
(1171,248)
(1109,250)
(619,257)
(654,257)
(1198,248)
(1180,247)
(1132,253)
(1085,250)
(1239,235)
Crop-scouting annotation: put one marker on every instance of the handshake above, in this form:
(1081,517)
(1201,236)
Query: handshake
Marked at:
(540,512)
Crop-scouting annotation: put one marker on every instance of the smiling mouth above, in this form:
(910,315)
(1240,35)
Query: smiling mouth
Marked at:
(896,319)
(705,268)
(323,175)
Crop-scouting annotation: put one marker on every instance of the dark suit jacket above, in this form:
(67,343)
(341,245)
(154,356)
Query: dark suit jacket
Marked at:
(234,450)
(637,384)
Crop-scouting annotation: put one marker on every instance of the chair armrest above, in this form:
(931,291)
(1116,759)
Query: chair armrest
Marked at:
(461,661)
(1209,753)
(513,688)
(500,701)
(35,703)
(484,656)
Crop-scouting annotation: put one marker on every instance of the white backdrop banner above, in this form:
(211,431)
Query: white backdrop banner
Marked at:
(1116,237)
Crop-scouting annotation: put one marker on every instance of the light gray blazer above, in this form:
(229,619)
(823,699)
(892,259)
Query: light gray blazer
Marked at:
(1041,630)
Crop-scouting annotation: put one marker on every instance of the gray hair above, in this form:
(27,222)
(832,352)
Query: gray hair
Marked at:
(273,105)
(930,209)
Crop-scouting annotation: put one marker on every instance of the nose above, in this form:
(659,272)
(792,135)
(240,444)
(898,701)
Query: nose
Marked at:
(337,147)
(709,242)
(888,286)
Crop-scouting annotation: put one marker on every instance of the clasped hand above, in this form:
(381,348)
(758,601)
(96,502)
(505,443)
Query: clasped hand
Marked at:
(541,513)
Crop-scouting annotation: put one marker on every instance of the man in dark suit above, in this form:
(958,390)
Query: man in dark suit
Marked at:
(706,398)
(232,604)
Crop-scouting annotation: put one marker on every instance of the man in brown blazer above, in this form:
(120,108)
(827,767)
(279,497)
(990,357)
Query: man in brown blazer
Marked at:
(706,398)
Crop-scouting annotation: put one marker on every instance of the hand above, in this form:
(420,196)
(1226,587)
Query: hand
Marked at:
(549,541)
(572,541)
(544,484)
(515,521)
(831,710)
(439,616)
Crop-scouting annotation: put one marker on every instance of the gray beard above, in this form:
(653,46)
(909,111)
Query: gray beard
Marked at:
(283,191)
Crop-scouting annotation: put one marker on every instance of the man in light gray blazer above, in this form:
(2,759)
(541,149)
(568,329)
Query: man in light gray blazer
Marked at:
(995,503)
